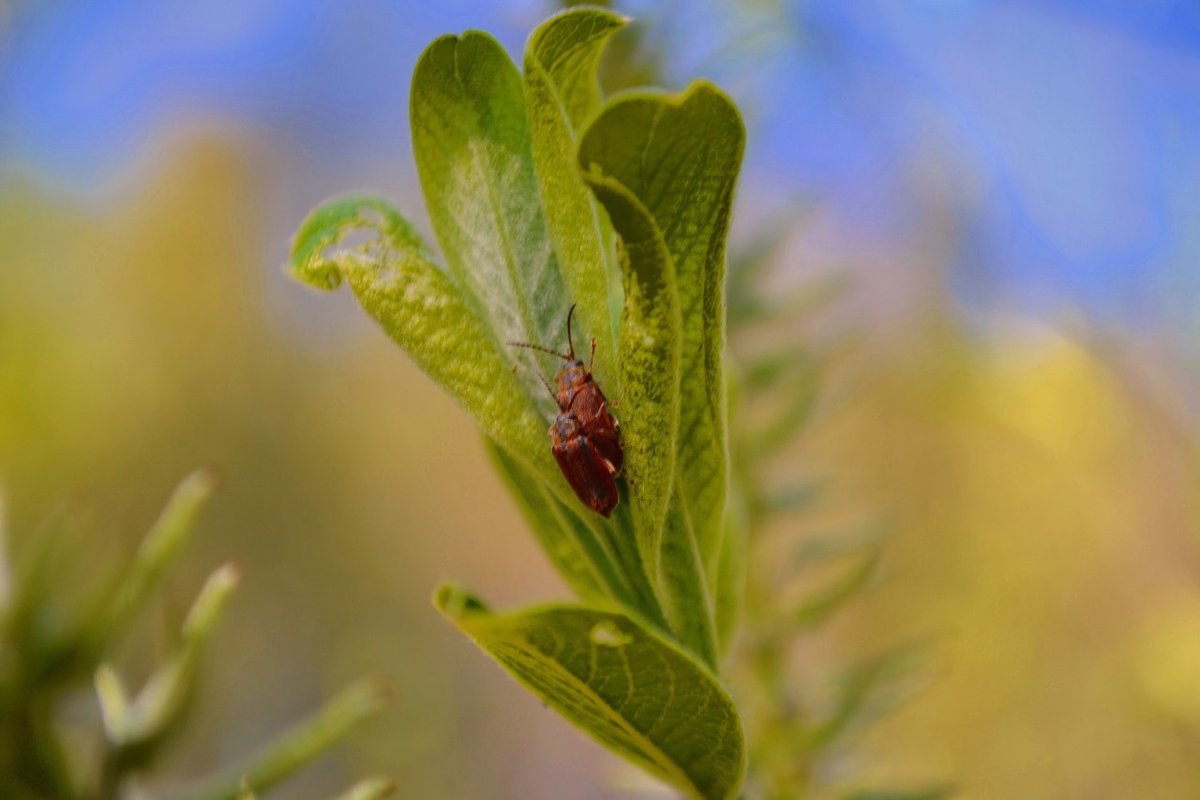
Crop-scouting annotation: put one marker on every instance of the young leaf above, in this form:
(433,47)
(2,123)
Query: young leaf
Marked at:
(471,144)
(424,312)
(679,156)
(628,688)
(562,94)
(369,789)
(157,551)
(822,605)
(649,362)
(298,745)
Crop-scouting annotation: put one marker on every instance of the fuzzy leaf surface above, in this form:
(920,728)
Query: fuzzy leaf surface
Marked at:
(562,94)
(633,691)
(471,143)
(423,311)
(649,362)
(680,155)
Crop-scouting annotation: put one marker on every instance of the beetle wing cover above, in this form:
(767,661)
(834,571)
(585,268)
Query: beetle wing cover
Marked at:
(589,475)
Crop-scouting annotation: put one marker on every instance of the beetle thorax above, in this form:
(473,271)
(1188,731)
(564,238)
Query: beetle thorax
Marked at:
(567,427)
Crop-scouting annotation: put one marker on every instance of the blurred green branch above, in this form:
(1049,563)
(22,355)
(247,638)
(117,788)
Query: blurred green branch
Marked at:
(51,649)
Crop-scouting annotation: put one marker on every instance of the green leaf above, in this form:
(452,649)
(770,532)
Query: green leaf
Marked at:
(633,691)
(156,553)
(299,745)
(423,311)
(562,94)
(687,600)
(143,722)
(679,156)
(471,143)
(939,793)
(649,362)
(731,569)
(868,690)
(369,789)
(819,607)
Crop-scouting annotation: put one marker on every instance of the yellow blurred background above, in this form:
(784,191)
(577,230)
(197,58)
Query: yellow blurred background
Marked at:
(1036,474)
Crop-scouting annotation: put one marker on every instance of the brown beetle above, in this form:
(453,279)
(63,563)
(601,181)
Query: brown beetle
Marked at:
(585,439)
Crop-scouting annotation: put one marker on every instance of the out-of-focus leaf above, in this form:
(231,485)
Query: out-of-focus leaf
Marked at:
(562,94)
(156,553)
(424,312)
(790,498)
(917,794)
(749,261)
(472,147)
(633,691)
(793,305)
(299,745)
(679,156)
(157,709)
(818,608)
(779,431)
(816,550)
(369,789)
(867,691)
(730,586)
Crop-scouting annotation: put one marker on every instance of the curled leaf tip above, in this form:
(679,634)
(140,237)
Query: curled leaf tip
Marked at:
(455,602)
(321,251)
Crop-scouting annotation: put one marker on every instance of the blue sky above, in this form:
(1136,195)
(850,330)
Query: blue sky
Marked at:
(1067,135)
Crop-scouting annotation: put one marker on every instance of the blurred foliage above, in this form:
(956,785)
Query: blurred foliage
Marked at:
(794,586)
(1036,483)
(50,647)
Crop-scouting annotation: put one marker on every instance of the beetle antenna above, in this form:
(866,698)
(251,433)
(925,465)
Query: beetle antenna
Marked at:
(570,341)
(546,383)
(563,356)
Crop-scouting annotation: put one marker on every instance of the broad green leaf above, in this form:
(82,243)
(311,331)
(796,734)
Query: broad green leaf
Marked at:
(679,155)
(649,362)
(566,48)
(633,691)
(562,94)
(425,313)
(471,143)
